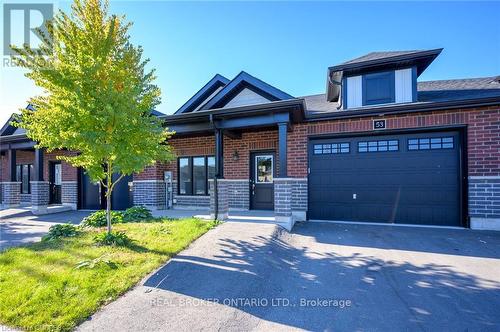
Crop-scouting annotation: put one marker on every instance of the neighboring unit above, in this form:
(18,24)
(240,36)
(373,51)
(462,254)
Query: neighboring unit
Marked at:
(378,146)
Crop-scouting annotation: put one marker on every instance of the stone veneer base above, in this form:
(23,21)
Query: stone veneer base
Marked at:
(69,194)
(11,195)
(149,193)
(484,202)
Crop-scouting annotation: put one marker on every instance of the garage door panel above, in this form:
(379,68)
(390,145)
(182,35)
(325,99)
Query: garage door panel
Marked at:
(403,186)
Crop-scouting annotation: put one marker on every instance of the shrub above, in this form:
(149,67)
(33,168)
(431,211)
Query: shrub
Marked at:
(61,230)
(98,219)
(136,214)
(112,239)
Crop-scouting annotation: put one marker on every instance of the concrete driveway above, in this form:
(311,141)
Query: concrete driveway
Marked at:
(247,276)
(20,226)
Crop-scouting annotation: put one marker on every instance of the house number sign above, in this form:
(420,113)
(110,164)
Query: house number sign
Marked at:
(378,124)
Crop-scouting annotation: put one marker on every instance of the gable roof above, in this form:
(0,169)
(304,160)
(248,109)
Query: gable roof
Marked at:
(241,81)
(204,94)
(379,55)
(377,60)
(9,129)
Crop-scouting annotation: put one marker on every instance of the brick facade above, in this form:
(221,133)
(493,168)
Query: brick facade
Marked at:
(482,127)
(483,135)
(235,169)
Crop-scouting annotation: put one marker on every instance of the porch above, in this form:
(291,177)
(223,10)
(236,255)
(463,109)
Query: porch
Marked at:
(233,163)
(34,179)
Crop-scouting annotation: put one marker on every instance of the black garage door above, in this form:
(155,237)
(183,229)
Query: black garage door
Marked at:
(408,179)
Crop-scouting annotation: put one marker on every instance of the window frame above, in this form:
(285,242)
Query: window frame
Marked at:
(335,148)
(378,146)
(419,143)
(191,171)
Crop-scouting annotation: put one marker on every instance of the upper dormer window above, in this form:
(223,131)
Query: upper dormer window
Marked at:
(378,88)
(394,86)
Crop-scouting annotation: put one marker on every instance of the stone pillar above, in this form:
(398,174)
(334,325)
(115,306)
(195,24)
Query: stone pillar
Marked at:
(484,202)
(150,193)
(222,199)
(283,202)
(39,197)
(69,194)
(299,199)
(11,194)
(239,194)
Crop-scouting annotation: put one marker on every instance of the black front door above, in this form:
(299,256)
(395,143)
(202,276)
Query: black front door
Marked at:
(261,181)
(55,178)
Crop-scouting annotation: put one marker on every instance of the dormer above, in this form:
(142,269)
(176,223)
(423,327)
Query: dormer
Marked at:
(378,78)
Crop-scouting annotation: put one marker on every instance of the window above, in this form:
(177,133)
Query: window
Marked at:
(264,169)
(57,174)
(378,146)
(23,175)
(194,173)
(211,167)
(199,176)
(185,175)
(378,88)
(333,148)
(430,143)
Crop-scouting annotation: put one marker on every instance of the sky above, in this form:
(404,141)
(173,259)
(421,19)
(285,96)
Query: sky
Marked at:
(289,44)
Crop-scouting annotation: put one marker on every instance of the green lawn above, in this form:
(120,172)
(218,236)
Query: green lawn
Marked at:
(42,289)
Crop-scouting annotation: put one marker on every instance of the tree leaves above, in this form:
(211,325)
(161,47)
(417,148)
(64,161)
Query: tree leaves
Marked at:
(99,96)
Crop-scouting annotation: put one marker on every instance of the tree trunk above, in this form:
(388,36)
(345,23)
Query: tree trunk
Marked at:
(108,210)
(108,201)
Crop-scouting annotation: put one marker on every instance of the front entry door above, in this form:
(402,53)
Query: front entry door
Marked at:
(261,181)
(55,178)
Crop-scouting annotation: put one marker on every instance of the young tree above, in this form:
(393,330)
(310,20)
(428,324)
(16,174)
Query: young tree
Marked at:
(97,96)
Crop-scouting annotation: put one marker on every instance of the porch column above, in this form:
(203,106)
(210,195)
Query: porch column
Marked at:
(11,190)
(11,154)
(39,187)
(282,137)
(219,153)
(218,188)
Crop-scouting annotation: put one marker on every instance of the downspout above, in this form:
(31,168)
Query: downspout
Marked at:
(216,196)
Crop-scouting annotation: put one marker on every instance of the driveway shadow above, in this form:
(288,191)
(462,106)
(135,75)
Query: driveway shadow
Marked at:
(462,242)
(285,279)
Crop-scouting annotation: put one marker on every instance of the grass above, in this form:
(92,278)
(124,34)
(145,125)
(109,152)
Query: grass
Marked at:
(43,289)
